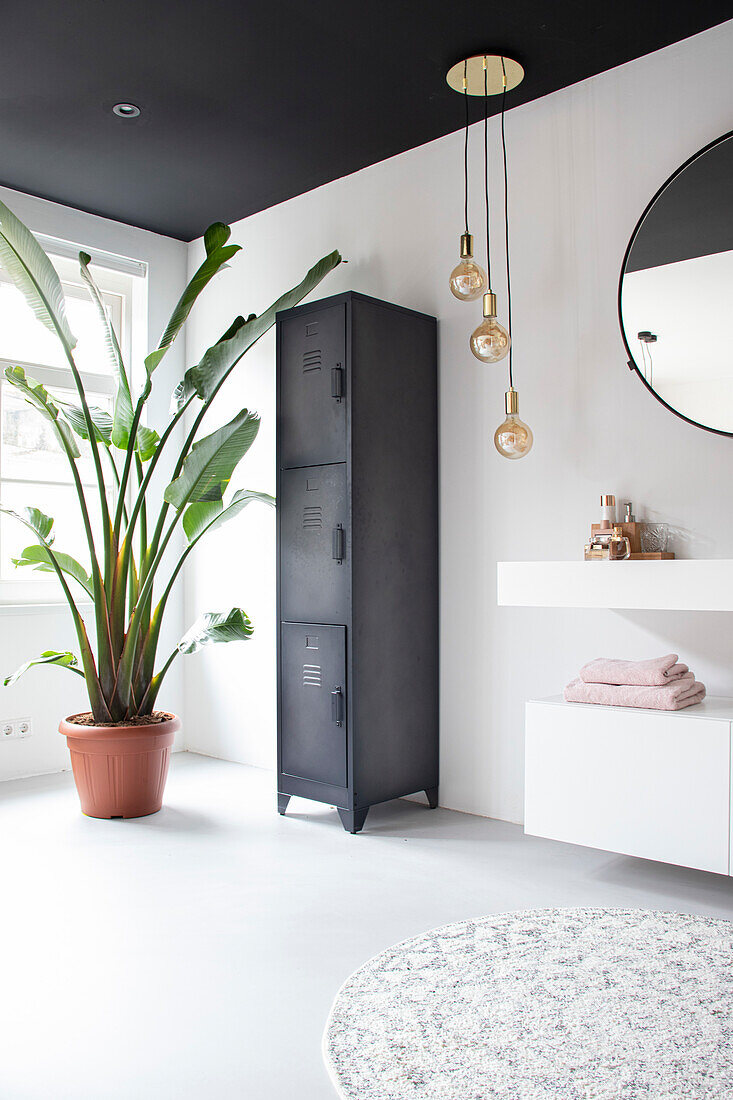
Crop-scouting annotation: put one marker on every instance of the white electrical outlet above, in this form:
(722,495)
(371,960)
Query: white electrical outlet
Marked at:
(15,728)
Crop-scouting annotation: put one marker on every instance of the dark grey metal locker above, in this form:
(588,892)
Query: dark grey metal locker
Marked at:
(357,461)
(314,543)
(312,413)
(313,660)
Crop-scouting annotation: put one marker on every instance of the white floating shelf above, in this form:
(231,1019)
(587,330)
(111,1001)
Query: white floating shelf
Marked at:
(681,585)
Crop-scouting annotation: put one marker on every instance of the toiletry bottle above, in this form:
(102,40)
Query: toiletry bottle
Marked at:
(619,547)
(608,508)
(629,516)
(595,551)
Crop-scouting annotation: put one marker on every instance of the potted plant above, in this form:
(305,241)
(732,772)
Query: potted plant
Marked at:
(121,748)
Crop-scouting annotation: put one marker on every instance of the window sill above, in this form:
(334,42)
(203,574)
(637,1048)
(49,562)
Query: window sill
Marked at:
(39,607)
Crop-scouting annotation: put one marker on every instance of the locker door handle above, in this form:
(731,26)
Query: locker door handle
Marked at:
(337,382)
(338,543)
(337,706)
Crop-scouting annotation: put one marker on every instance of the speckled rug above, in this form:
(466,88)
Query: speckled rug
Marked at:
(573,1004)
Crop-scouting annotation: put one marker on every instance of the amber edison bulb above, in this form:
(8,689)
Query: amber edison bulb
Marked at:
(513,438)
(490,342)
(468,279)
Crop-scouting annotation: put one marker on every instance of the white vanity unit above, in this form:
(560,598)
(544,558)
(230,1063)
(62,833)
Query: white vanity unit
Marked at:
(649,783)
(644,782)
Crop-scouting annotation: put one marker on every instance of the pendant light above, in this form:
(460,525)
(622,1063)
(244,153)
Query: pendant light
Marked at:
(491,341)
(491,74)
(513,438)
(468,280)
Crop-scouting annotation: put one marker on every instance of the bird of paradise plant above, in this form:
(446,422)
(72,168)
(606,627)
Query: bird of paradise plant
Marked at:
(129,578)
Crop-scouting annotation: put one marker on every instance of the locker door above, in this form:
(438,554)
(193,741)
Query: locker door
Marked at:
(312,412)
(314,544)
(313,708)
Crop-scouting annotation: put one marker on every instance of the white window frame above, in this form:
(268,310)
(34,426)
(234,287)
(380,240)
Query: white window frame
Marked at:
(124,288)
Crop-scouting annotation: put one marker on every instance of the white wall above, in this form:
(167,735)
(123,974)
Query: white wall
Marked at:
(583,164)
(46,695)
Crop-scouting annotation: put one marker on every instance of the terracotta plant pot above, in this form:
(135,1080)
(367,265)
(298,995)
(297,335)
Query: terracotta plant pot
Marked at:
(120,771)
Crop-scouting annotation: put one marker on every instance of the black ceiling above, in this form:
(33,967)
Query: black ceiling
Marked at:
(245,105)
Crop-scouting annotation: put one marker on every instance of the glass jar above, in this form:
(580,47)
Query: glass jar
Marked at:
(619,547)
(654,538)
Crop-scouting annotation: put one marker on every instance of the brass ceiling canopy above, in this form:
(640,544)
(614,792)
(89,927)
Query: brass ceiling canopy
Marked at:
(473,70)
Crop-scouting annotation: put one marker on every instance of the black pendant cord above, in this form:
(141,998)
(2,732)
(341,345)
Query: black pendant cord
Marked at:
(506,230)
(486,173)
(465,147)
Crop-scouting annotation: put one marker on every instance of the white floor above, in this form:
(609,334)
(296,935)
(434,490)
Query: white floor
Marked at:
(195,954)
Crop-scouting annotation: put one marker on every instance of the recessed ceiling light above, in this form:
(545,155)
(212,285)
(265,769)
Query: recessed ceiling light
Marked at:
(126,110)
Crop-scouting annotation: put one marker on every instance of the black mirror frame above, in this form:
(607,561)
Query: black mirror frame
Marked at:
(632,364)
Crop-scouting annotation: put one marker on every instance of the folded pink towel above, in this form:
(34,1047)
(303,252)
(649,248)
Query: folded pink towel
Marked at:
(685,691)
(657,671)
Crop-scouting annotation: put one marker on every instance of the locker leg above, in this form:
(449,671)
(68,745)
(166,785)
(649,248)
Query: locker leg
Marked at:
(353,820)
(282,802)
(432,797)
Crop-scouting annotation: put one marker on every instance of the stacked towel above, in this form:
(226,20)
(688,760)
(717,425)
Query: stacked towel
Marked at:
(654,673)
(663,683)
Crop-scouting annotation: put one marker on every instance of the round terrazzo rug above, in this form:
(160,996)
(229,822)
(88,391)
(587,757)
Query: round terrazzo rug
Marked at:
(573,1004)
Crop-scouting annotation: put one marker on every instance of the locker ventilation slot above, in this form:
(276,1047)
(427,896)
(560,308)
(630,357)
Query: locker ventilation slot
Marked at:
(312,517)
(311,360)
(312,676)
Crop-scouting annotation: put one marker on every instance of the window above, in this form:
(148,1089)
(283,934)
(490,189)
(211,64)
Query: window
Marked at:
(34,470)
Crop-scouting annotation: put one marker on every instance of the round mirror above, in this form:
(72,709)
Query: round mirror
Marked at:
(676,291)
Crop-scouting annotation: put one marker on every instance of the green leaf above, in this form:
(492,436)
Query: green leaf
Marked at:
(179,396)
(219,360)
(34,520)
(123,409)
(124,412)
(147,442)
(101,420)
(38,558)
(217,254)
(216,236)
(34,275)
(211,462)
(38,396)
(208,515)
(49,657)
(214,627)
